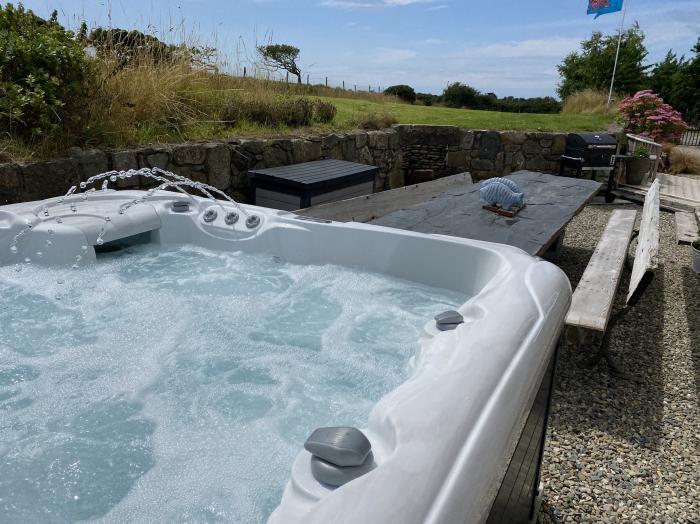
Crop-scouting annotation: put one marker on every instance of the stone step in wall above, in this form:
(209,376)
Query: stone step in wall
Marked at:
(404,154)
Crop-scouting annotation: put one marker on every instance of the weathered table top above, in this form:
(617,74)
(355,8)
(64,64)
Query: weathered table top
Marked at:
(551,203)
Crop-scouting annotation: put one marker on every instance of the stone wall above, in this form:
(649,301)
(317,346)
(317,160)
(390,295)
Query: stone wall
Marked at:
(448,150)
(404,154)
(220,164)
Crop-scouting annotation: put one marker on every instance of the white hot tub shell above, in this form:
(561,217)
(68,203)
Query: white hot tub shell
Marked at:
(443,439)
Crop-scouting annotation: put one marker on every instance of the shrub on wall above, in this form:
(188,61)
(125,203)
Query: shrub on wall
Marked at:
(269,112)
(43,72)
(324,112)
(646,114)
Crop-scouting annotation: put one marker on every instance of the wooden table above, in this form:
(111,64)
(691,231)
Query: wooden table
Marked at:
(551,203)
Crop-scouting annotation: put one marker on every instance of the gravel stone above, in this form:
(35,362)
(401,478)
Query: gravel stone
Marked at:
(621,450)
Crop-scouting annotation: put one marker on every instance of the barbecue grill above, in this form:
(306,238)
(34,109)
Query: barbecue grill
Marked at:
(592,153)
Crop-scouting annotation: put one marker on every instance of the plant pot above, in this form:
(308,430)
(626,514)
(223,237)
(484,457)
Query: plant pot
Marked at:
(638,171)
(695,254)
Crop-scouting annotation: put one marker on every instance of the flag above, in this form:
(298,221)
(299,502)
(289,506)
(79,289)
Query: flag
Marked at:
(603,7)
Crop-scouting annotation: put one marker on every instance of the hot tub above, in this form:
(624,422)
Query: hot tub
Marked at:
(442,436)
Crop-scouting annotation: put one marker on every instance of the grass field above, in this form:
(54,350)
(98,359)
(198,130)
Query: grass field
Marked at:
(351,110)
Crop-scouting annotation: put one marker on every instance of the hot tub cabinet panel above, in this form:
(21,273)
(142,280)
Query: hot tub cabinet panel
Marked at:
(443,440)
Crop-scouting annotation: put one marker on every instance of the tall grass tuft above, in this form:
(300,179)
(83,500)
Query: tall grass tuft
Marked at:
(589,102)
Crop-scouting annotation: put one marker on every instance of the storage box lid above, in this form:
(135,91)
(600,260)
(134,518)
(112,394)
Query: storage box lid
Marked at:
(310,175)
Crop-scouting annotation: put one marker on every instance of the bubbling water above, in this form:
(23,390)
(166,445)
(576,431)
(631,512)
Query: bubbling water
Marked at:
(178,385)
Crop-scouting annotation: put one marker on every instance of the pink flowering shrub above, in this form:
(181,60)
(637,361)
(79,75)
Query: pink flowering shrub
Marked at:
(646,114)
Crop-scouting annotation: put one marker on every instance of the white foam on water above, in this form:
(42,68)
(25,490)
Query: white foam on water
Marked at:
(179,385)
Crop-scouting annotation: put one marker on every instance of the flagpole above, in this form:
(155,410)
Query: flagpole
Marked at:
(617,53)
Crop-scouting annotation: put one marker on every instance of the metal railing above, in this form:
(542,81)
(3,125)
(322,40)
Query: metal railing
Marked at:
(691,137)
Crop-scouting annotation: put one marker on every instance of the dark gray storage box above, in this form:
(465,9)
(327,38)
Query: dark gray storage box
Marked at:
(303,185)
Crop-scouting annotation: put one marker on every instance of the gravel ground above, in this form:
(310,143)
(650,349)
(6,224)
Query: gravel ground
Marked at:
(618,450)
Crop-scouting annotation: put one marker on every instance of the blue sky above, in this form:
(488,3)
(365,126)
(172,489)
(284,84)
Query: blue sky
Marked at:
(510,47)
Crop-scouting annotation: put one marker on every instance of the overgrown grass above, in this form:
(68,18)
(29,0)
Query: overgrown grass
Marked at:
(147,102)
(589,102)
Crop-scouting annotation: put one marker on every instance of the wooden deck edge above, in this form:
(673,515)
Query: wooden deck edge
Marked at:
(686,227)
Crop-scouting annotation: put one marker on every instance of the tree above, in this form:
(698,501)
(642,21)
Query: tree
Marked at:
(460,95)
(665,75)
(592,67)
(404,92)
(685,94)
(281,56)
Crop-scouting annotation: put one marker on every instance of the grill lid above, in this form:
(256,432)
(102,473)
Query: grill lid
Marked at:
(591,140)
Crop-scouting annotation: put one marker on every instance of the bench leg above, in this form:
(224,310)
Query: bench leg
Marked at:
(604,352)
(554,251)
(588,338)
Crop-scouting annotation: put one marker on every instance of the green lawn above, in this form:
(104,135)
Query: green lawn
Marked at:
(350,110)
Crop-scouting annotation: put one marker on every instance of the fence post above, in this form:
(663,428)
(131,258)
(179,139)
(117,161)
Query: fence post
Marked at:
(343,85)
(307,79)
(326,81)
(287,76)
(355,88)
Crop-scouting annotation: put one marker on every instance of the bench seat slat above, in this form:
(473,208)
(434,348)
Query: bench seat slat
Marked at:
(593,299)
(646,258)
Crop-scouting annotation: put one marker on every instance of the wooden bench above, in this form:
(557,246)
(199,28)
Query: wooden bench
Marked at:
(594,297)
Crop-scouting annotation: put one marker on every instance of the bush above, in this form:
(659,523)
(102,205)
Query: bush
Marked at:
(324,112)
(376,121)
(296,112)
(427,99)
(270,112)
(647,115)
(588,101)
(43,72)
(403,92)
(460,95)
(685,159)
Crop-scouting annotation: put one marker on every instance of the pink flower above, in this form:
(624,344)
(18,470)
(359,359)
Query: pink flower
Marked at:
(646,114)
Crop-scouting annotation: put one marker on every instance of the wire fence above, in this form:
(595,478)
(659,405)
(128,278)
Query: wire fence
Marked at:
(308,79)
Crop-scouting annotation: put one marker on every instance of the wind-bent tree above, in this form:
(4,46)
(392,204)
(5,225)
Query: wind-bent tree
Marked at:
(281,56)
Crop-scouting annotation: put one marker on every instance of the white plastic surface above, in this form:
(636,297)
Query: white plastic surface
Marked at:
(442,440)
